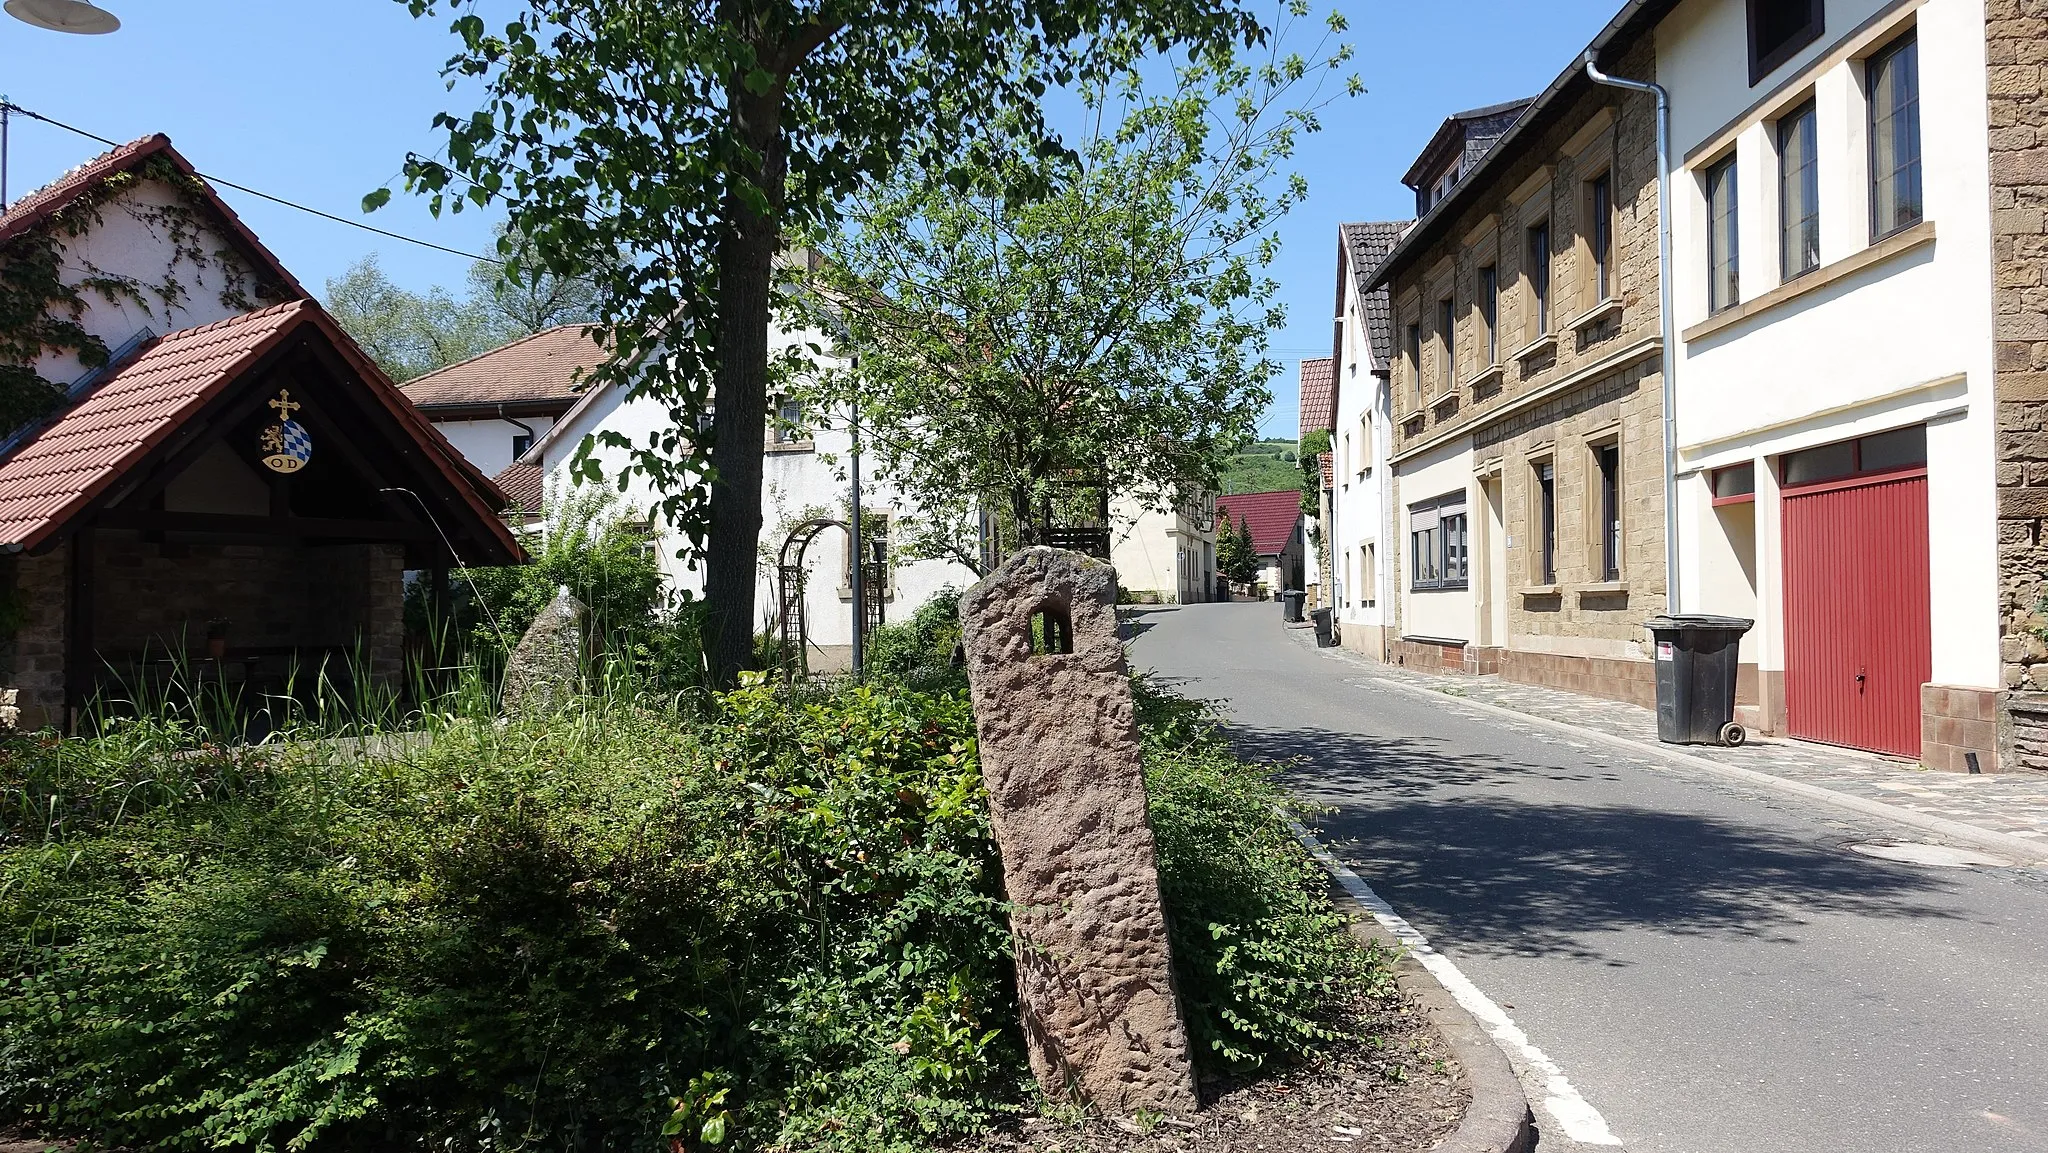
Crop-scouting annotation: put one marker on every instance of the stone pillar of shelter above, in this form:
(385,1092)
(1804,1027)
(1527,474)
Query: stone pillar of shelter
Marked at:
(1060,756)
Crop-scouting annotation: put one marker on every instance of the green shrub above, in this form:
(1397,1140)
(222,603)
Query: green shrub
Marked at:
(1267,967)
(920,651)
(779,924)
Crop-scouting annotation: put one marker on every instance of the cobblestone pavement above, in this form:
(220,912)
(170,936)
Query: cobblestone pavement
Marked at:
(2014,803)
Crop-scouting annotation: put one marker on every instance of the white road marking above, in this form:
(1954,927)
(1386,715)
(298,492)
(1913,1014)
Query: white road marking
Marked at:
(1579,1120)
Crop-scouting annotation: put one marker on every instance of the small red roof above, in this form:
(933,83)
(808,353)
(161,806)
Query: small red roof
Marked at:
(58,471)
(1318,405)
(36,207)
(1329,473)
(523,485)
(1271,516)
(549,367)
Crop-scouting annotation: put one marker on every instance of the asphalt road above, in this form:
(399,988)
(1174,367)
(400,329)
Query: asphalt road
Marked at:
(1707,964)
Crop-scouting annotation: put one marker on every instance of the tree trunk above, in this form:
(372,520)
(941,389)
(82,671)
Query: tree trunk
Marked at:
(746,267)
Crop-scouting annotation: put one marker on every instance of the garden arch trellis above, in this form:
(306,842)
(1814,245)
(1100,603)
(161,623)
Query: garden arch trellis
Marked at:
(789,580)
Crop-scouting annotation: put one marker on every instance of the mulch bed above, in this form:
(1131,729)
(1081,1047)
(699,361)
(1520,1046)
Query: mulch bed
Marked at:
(1400,1090)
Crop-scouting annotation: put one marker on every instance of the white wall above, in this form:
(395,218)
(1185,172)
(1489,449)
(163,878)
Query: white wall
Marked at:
(795,483)
(1905,341)
(128,243)
(1361,445)
(488,443)
(1444,614)
(1167,552)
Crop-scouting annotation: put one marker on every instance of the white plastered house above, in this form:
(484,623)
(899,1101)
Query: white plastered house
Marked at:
(1835,428)
(1360,494)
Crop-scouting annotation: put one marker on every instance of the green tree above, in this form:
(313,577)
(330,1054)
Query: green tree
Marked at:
(700,137)
(1236,558)
(407,333)
(1315,444)
(522,296)
(1109,335)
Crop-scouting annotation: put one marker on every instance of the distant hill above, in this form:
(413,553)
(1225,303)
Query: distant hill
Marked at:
(1264,466)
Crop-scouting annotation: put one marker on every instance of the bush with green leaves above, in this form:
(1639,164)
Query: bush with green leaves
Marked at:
(777,923)
(920,651)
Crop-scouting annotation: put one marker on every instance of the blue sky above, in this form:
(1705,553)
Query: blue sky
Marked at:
(319,103)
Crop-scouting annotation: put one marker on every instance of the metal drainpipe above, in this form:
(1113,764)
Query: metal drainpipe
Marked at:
(1664,316)
(532,436)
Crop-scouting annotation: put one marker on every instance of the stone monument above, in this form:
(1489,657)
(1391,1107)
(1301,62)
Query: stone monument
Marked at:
(1059,754)
(546,666)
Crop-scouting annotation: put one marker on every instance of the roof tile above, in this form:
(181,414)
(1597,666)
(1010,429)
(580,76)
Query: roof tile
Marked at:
(1271,516)
(86,449)
(550,365)
(1318,405)
(1368,245)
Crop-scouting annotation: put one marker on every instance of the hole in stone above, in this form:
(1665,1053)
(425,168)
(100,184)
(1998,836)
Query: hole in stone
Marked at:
(1052,630)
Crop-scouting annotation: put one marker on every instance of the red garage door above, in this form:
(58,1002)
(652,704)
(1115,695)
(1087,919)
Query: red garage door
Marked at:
(1858,639)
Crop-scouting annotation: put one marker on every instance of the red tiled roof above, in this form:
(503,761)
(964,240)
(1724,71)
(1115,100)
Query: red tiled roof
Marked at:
(1318,405)
(1329,473)
(523,486)
(87,449)
(61,469)
(36,207)
(1271,516)
(550,365)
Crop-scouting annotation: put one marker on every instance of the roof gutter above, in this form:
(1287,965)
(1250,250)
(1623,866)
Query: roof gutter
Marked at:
(1418,235)
(1672,602)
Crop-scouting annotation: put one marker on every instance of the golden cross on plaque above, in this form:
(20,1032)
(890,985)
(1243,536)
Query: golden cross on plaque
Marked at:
(285,405)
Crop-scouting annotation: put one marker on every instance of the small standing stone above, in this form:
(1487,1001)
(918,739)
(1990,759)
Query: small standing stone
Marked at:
(546,667)
(1060,757)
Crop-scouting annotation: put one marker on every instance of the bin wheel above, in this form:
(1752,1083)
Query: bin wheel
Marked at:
(1733,734)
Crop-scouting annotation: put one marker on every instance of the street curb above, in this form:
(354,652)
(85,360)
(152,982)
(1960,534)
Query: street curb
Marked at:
(1498,1119)
(2025,852)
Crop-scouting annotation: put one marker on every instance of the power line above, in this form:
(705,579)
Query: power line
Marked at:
(6,106)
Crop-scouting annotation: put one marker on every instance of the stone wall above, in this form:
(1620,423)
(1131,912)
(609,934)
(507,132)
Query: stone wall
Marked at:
(2016,33)
(1591,379)
(151,598)
(36,664)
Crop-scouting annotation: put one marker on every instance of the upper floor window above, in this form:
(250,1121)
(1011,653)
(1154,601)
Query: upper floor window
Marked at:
(521,442)
(788,417)
(1777,30)
(1723,283)
(1489,312)
(1600,205)
(1798,193)
(1446,327)
(1892,78)
(1539,277)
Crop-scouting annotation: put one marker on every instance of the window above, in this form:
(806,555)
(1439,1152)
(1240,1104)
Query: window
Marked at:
(1545,527)
(1446,327)
(521,442)
(1437,544)
(1369,578)
(1735,484)
(1798,194)
(1722,257)
(1348,454)
(1489,312)
(788,416)
(1894,451)
(1777,30)
(1893,80)
(1539,277)
(1364,443)
(1600,203)
(1607,461)
(1415,359)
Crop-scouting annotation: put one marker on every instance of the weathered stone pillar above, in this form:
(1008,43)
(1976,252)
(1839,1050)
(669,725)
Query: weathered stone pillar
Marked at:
(546,667)
(1059,753)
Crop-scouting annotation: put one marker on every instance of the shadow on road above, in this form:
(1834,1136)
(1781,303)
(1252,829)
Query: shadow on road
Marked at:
(1449,841)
